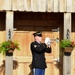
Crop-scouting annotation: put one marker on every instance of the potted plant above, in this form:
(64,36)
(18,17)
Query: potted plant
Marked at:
(67,45)
(7,47)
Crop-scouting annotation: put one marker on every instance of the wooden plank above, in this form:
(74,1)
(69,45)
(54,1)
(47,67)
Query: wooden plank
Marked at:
(73,62)
(62,5)
(34,5)
(14,5)
(9,26)
(50,5)
(42,5)
(27,5)
(20,5)
(29,59)
(1,5)
(21,69)
(56,5)
(73,55)
(69,5)
(50,69)
(73,5)
(7,4)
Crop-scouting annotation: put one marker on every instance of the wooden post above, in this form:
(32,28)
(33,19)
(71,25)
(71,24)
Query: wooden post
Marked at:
(9,35)
(67,35)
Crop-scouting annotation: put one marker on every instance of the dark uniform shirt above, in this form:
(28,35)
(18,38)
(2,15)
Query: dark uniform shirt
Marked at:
(38,54)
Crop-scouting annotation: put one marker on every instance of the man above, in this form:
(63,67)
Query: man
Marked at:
(38,50)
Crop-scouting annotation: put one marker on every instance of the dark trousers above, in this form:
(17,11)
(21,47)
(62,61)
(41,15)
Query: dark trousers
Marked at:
(37,71)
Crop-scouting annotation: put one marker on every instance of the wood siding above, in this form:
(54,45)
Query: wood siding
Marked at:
(26,24)
(73,53)
(38,5)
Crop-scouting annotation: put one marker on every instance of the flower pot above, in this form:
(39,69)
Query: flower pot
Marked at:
(68,49)
(9,52)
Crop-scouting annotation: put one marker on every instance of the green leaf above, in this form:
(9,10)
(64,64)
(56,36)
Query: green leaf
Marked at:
(65,43)
(7,45)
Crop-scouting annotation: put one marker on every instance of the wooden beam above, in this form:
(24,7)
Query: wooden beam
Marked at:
(67,25)
(9,26)
(9,65)
(67,35)
(67,65)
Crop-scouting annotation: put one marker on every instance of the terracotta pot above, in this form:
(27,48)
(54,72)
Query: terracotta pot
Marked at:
(68,49)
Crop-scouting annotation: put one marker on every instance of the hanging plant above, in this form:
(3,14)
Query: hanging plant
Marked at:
(8,46)
(67,45)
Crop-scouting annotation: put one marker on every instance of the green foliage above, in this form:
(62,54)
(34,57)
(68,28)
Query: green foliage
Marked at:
(7,45)
(65,43)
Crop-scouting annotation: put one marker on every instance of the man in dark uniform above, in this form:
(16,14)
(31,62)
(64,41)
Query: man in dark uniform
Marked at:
(38,50)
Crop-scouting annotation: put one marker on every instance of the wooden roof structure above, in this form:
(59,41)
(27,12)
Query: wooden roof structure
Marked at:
(38,5)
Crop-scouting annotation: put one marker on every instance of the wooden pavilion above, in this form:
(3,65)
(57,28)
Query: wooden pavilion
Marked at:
(55,18)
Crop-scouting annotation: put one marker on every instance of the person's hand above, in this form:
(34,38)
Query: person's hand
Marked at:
(47,41)
(48,44)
